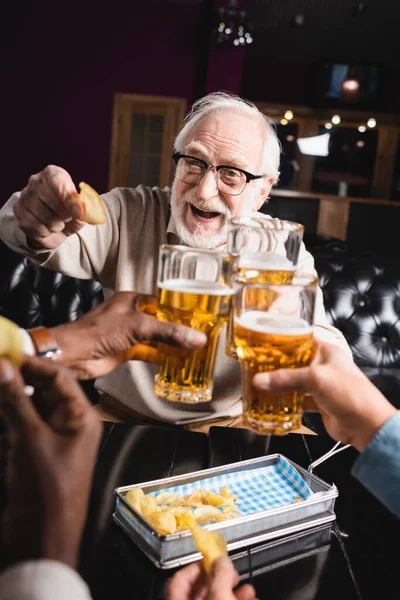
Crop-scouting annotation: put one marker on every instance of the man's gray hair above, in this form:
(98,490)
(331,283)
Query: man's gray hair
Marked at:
(219,102)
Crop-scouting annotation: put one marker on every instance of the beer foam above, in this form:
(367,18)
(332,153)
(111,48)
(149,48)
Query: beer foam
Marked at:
(196,286)
(265,261)
(266,322)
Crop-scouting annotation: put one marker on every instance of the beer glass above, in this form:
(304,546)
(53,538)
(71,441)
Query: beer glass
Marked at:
(267,251)
(193,288)
(273,329)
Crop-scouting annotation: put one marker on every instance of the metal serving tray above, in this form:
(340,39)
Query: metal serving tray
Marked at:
(177,549)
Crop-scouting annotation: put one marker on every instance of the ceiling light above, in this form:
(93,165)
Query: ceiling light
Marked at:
(283,121)
(336,119)
(328,125)
(350,85)
(360,144)
(232,27)
(288,115)
(371,122)
(362,128)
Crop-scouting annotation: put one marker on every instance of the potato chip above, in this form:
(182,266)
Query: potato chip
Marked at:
(149,505)
(214,499)
(163,522)
(226,493)
(11,341)
(195,499)
(210,543)
(169,498)
(92,204)
(206,513)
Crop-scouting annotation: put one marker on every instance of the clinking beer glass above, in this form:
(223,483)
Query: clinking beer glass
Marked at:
(194,289)
(273,329)
(267,251)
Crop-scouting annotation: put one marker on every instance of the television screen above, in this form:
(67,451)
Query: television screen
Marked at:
(341,84)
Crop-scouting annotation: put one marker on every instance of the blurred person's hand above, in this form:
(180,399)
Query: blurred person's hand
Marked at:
(352,408)
(114,332)
(192,583)
(47,210)
(49,462)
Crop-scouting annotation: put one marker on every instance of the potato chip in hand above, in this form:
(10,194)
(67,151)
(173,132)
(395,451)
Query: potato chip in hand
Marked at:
(211,544)
(92,205)
(11,341)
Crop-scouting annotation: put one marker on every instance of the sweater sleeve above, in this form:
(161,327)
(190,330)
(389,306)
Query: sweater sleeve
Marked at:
(322,329)
(89,254)
(378,469)
(42,580)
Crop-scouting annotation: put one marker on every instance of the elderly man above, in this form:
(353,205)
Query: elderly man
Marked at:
(43,223)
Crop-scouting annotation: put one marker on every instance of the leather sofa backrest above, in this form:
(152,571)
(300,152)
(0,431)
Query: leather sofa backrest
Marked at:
(362,299)
(33,296)
(361,295)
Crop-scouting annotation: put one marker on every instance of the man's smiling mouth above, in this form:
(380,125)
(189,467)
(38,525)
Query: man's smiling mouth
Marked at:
(203,214)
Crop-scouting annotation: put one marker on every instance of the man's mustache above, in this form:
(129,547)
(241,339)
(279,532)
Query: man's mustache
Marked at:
(212,205)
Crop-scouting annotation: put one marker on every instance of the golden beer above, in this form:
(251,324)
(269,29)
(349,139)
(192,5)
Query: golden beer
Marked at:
(187,375)
(265,342)
(263,268)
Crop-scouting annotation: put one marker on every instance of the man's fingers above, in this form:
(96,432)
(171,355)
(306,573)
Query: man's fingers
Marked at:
(60,182)
(143,352)
(284,380)
(173,334)
(245,592)
(16,407)
(57,386)
(181,585)
(309,404)
(224,577)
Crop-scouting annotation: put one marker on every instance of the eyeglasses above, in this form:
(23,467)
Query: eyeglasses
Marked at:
(230,180)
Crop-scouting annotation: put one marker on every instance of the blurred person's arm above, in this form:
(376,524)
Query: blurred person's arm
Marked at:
(48,477)
(42,580)
(192,582)
(354,412)
(113,333)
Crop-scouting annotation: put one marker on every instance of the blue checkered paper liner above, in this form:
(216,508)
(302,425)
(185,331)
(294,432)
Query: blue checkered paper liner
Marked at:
(256,489)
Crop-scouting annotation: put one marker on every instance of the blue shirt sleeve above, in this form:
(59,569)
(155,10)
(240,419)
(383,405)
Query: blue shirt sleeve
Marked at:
(378,467)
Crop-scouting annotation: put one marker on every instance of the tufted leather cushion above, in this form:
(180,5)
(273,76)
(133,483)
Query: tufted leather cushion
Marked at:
(362,299)
(33,296)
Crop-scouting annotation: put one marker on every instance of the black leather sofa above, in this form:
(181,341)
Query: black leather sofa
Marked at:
(362,299)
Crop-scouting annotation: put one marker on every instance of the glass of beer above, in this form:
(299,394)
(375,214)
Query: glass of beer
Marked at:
(267,250)
(273,329)
(193,288)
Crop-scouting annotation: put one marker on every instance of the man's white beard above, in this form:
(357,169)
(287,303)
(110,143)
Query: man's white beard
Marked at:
(201,238)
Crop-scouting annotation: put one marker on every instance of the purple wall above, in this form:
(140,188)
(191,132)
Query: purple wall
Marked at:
(63,69)
(63,64)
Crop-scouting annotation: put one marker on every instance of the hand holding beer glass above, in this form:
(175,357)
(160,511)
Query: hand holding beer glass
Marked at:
(267,251)
(273,329)
(193,288)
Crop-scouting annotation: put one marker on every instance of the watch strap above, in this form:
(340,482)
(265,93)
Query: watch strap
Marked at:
(45,343)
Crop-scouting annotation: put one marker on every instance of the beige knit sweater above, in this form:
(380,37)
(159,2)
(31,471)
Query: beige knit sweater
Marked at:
(122,254)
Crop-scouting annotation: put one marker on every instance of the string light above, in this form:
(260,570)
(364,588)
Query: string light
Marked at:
(362,128)
(288,115)
(284,121)
(328,125)
(371,122)
(336,119)
(232,27)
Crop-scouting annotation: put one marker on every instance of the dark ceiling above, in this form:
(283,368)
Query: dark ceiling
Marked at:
(365,32)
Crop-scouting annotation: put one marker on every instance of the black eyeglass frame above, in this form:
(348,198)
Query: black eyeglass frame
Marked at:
(249,176)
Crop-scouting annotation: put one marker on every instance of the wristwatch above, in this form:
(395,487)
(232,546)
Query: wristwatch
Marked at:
(45,343)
